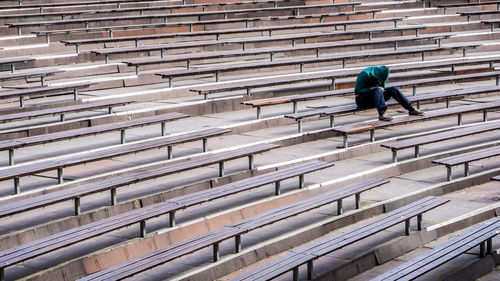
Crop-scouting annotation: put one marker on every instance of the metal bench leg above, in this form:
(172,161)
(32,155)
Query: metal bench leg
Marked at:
(489,246)
(169,152)
(106,59)
(142,231)
(42,80)
(277,188)
(75,94)
(11,156)
(250,162)
(301,181)
(482,250)
(358,200)
(309,270)
(333,84)
(295,107)
(162,53)
(170,82)
(414,88)
(345,142)
(137,70)
(498,81)
(62,117)
(221,169)
(449,176)
(466,170)
(459,119)
(12,68)
(163,129)
(78,209)
(2,274)
(113,196)
(394,156)
(299,124)
(205,144)
(258,112)
(249,92)
(332,121)
(17,187)
(343,63)
(407,227)
(60,178)
(419,222)
(485,115)
(447,102)
(372,135)
(171,218)
(216,252)
(417,151)
(296,273)
(110,110)
(237,243)
(122,136)
(339,207)
(301,67)
(21,101)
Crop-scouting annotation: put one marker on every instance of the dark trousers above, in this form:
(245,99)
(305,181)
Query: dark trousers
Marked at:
(377,98)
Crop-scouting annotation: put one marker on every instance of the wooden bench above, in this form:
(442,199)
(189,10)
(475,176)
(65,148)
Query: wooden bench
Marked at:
(78,42)
(63,110)
(99,129)
(307,254)
(465,158)
(271,51)
(59,163)
(295,10)
(332,75)
(372,125)
(12,62)
(492,23)
(30,74)
(69,237)
(75,3)
(217,70)
(235,230)
(441,136)
(481,235)
(479,13)
(244,41)
(119,9)
(46,90)
(465,5)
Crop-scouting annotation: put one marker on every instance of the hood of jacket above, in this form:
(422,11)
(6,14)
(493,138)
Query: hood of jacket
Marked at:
(381,73)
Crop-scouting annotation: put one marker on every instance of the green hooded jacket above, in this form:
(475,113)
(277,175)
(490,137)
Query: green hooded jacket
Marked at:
(371,77)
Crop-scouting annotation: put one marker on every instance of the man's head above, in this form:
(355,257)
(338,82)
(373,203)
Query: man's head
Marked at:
(381,73)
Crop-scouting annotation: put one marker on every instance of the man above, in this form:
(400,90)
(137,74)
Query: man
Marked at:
(371,92)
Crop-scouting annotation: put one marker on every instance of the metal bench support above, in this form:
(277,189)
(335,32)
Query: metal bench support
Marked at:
(163,129)
(419,222)
(122,136)
(295,107)
(459,119)
(485,115)
(372,135)
(17,187)
(75,94)
(258,112)
(449,175)
(417,151)
(394,155)
(113,196)
(344,141)
(299,124)
(216,252)
(221,169)
(11,156)
(142,229)
(171,218)
(466,169)
(237,243)
(407,227)
(277,188)
(301,181)
(296,273)
(62,117)
(332,121)
(60,178)
(78,209)
(339,207)
(358,200)
(250,162)
(169,152)
(205,144)
(21,101)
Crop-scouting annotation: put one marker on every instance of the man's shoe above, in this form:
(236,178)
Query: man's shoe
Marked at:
(384,117)
(416,112)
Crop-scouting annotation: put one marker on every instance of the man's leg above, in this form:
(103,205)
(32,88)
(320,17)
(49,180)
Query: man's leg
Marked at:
(399,97)
(379,100)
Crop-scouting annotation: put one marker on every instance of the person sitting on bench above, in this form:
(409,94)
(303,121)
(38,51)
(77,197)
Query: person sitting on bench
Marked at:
(371,92)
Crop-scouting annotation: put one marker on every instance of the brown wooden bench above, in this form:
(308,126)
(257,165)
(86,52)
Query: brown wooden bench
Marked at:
(217,33)
(75,3)
(294,10)
(63,110)
(58,163)
(235,230)
(69,237)
(417,142)
(332,75)
(465,5)
(244,41)
(12,62)
(465,158)
(492,23)
(371,126)
(30,74)
(343,58)
(469,15)
(46,90)
(121,126)
(481,235)
(271,51)
(308,253)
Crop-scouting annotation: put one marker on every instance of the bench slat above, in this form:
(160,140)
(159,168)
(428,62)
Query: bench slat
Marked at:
(469,156)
